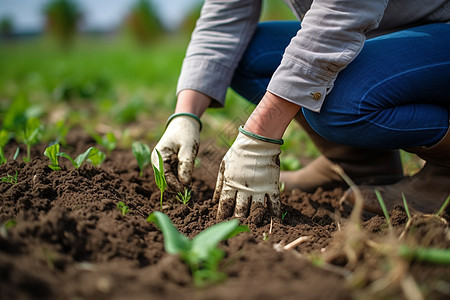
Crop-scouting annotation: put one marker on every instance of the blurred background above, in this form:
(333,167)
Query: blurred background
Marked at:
(109,67)
(99,62)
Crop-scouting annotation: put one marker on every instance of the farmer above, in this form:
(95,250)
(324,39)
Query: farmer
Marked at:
(363,78)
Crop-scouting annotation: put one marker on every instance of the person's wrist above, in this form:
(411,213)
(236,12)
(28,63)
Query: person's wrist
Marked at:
(260,137)
(193,116)
(193,102)
(271,117)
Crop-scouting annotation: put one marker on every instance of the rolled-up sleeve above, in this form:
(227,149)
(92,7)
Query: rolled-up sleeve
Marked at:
(331,36)
(218,42)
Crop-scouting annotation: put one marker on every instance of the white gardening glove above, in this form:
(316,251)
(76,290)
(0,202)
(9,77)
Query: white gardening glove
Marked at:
(248,176)
(179,147)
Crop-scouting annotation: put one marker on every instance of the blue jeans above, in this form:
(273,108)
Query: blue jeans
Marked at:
(395,94)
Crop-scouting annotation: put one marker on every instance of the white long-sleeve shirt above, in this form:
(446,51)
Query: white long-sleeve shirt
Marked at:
(332,34)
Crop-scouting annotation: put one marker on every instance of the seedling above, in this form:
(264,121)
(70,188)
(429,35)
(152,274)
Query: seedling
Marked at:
(443,207)
(4,139)
(184,198)
(383,207)
(123,208)
(108,141)
(142,154)
(30,136)
(283,215)
(52,153)
(92,154)
(16,154)
(61,130)
(405,204)
(201,254)
(9,179)
(160,179)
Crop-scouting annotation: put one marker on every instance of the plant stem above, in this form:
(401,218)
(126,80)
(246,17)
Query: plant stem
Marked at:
(406,207)
(443,207)
(28,158)
(383,207)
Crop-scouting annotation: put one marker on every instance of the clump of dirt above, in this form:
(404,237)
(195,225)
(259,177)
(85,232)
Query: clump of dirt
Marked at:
(64,238)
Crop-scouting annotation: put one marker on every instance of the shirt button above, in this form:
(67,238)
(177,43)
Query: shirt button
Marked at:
(316,95)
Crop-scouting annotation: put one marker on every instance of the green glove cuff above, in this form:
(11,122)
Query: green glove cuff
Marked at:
(185,114)
(259,137)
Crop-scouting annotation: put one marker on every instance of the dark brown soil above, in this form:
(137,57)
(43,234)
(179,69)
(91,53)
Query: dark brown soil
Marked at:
(70,241)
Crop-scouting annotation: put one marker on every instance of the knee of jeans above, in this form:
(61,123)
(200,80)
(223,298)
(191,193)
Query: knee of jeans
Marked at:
(340,128)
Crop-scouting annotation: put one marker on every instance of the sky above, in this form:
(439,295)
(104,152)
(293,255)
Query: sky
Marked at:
(98,14)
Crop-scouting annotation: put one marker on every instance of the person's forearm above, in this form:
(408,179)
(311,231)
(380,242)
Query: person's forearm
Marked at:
(190,101)
(271,117)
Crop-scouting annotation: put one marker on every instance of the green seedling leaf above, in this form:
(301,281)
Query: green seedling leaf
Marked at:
(208,239)
(201,254)
(82,157)
(184,198)
(383,207)
(443,207)
(30,135)
(174,241)
(5,136)
(160,179)
(123,208)
(9,179)
(405,204)
(283,215)
(52,153)
(142,154)
(94,155)
(62,130)
(16,154)
(108,141)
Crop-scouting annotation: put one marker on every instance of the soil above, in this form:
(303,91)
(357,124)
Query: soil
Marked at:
(69,240)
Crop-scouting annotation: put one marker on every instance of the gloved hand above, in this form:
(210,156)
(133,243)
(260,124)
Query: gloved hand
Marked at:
(179,147)
(248,175)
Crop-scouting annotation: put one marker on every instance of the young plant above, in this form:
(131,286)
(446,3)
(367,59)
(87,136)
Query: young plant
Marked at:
(108,141)
(30,136)
(92,155)
(160,179)
(52,153)
(283,215)
(142,154)
(405,204)
(123,208)
(201,254)
(184,198)
(4,139)
(383,207)
(16,154)
(9,179)
(443,207)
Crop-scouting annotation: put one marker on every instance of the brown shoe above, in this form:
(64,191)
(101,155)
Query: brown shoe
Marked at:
(364,166)
(425,191)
